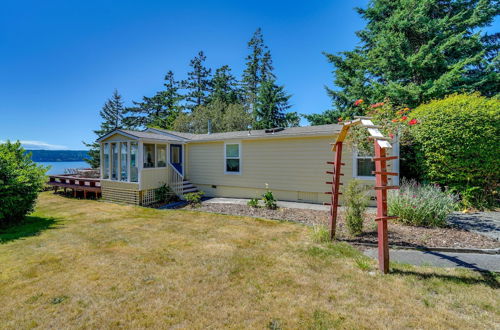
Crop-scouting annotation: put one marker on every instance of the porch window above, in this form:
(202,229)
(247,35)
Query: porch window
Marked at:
(363,165)
(114,161)
(161,150)
(232,159)
(134,172)
(105,169)
(149,155)
(123,162)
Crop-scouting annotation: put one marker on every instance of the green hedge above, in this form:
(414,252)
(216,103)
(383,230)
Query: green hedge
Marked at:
(458,145)
(21,180)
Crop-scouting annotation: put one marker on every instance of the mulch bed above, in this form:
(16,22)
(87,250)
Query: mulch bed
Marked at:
(401,235)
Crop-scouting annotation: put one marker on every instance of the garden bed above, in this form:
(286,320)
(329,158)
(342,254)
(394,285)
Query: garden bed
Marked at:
(401,235)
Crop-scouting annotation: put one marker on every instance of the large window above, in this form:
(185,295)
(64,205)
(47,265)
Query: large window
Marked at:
(161,150)
(232,159)
(149,155)
(114,161)
(363,165)
(123,162)
(134,171)
(105,169)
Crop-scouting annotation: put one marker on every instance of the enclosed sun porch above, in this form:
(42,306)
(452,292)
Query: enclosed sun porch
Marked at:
(135,164)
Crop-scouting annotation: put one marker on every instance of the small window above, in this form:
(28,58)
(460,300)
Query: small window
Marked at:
(114,161)
(232,158)
(161,150)
(105,169)
(363,165)
(123,162)
(149,155)
(134,172)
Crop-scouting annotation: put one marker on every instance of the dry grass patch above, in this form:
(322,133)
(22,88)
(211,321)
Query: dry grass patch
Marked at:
(103,265)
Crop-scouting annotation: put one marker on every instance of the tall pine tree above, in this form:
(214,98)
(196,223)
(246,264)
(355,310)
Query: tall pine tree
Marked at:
(413,51)
(198,84)
(259,67)
(112,114)
(271,107)
(225,86)
(159,110)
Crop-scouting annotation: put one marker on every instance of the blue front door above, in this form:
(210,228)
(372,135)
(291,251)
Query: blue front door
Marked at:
(176,156)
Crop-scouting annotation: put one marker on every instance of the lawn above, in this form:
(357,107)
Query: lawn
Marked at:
(88,264)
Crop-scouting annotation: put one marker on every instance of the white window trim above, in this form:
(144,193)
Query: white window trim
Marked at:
(355,158)
(240,157)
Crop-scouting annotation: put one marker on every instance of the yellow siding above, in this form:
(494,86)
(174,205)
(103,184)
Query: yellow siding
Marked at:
(153,177)
(294,168)
(117,137)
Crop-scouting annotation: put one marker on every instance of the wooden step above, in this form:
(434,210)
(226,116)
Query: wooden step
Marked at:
(385,173)
(387,217)
(384,158)
(386,187)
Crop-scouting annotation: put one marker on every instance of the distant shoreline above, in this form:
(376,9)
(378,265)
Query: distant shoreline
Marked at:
(58,155)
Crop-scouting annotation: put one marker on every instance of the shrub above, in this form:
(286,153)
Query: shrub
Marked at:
(21,180)
(163,194)
(269,200)
(356,200)
(194,198)
(457,141)
(253,202)
(421,205)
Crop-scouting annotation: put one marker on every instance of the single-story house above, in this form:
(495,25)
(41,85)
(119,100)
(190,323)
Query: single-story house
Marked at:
(292,162)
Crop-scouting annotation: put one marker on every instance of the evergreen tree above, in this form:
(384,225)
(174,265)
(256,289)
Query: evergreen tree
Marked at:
(159,110)
(198,83)
(224,117)
(112,114)
(225,86)
(413,51)
(258,67)
(271,106)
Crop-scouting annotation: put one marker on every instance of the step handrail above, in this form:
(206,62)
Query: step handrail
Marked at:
(176,180)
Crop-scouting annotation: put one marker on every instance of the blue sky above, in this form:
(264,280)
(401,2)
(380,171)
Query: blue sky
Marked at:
(60,60)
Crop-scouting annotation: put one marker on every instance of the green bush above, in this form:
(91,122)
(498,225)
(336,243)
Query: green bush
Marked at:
(356,200)
(164,194)
(421,205)
(320,234)
(253,202)
(269,200)
(457,145)
(21,180)
(194,198)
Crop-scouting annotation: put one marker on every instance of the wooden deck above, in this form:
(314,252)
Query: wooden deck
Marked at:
(69,181)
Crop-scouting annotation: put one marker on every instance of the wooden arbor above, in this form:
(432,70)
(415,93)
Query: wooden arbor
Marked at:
(381,144)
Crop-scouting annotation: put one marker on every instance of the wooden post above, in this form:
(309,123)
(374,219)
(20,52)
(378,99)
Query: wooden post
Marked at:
(381,181)
(335,189)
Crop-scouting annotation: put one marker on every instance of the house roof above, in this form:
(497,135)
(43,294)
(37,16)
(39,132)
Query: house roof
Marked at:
(320,130)
(137,135)
(173,136)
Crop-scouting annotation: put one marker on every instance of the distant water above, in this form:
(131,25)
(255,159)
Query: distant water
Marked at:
(59,167)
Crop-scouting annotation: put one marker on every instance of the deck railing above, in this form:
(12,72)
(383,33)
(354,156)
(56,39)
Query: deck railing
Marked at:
(175,181)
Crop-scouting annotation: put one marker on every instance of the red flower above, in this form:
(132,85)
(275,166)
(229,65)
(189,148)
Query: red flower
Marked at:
(394,120)
(340,119)
(404,118)
(413,122)
(376,105)
(358,102)
(391,135)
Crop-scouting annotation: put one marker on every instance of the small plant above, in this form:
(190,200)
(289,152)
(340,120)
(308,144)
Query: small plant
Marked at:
(253,202)
(268,198)
(194,198)
(421,204)
(163,193)
(356,200)
(320,234)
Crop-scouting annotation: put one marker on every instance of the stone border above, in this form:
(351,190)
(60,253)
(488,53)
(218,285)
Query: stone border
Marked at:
(424,248)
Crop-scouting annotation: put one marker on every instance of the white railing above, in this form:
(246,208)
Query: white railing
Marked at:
(175,181)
